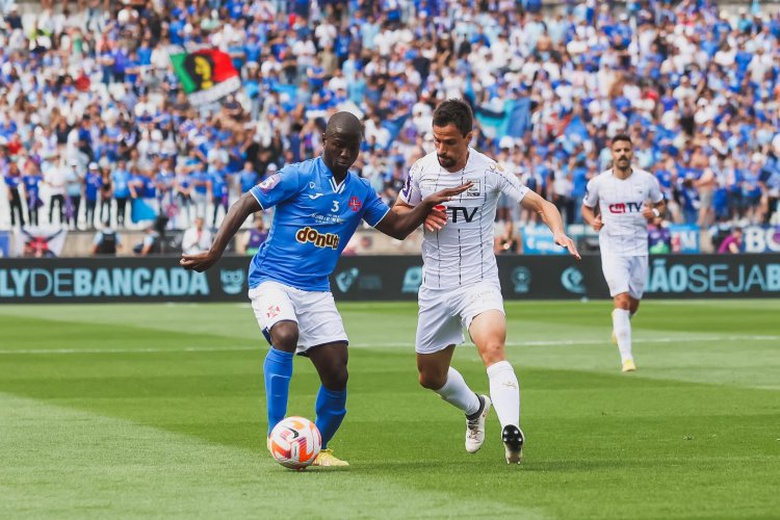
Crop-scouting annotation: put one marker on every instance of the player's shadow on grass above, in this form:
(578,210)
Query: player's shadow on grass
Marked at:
(488,464)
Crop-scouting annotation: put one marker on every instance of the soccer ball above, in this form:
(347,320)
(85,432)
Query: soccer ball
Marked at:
(295,442)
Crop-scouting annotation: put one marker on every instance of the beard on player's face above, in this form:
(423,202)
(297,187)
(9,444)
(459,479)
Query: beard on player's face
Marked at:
(446,161)
(623,162)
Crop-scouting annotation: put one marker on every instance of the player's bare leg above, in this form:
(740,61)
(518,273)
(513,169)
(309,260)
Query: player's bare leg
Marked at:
(330,360)
(488,331)
(621,328)
(436,374)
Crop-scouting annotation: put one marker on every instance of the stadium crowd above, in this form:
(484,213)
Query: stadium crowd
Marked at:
(92,115)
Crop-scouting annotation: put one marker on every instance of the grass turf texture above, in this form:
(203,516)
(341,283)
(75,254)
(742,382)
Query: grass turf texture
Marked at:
(157,411)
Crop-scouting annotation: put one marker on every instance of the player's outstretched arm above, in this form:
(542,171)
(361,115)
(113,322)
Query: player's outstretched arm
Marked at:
(236,216)
(550,216)
(402,219)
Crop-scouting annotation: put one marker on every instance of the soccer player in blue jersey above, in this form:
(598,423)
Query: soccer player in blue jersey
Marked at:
(319,205)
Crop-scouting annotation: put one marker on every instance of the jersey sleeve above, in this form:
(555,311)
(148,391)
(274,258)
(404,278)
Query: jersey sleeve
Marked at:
(411,194)
(510,185)
(591,193)
(375,209)
(277,188)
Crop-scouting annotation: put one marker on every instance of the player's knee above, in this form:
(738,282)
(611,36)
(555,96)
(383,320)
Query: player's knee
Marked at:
(432,381)
(492,353)
(622,301)
(335,378)
(285,336)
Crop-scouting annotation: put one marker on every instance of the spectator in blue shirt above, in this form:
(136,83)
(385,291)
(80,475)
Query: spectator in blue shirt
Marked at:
(93,181)
(120,179)
(219,191)
(31,180)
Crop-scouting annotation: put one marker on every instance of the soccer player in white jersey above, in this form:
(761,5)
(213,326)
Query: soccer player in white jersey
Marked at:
(460,278)
(628,198)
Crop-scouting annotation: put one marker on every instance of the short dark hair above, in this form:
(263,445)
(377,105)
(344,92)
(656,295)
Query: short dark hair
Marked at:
(622,137)
(455,111)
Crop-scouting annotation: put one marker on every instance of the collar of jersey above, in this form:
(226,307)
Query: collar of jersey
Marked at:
(336,187)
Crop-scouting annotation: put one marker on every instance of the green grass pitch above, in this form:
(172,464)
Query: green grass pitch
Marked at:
(157,411)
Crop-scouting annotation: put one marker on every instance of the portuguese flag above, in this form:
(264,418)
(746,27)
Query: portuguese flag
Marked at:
(206,75)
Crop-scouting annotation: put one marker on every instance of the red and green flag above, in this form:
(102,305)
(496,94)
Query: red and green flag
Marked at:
(206,75)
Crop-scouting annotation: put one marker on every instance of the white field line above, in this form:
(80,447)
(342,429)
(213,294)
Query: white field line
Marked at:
(546,343)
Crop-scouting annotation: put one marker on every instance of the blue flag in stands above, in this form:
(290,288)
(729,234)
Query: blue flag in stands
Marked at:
(394,126)
(513,120)
(141,211)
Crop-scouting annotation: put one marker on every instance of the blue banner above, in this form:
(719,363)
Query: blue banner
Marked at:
(684,238)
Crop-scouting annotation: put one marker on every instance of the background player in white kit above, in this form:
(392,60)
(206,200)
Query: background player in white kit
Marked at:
(628,198)
(460,277)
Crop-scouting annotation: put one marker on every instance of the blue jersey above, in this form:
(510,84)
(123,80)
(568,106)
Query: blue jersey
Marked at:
(313,221)
(93,182)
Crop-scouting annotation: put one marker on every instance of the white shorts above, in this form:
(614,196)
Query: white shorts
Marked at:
(443,314)
(314,311)
(625,274)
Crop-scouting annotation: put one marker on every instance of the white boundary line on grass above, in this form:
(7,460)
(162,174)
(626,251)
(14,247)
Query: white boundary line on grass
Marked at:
(540,343)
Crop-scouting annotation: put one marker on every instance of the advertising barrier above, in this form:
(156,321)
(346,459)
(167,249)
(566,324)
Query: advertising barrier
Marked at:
(95,280)
(762,239)
(372,278)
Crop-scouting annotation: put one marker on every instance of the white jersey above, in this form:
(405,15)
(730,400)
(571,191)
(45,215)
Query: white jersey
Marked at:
(462,252)
(621,202)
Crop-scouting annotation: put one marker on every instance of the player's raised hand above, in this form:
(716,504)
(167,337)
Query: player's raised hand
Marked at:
(564,241)
(442,196)
(198,262)
(437,218)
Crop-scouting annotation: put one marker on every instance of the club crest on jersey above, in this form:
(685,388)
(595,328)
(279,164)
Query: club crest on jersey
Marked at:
(269,184)
(355,204)
(273,311)
(308,235)
(475,190)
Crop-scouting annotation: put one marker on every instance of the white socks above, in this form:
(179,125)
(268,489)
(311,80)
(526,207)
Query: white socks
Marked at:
(621,324)
(456,392)
(505,393)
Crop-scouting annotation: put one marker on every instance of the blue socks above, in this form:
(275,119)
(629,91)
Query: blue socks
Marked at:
(330,405)
(331,409)
(277,372)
